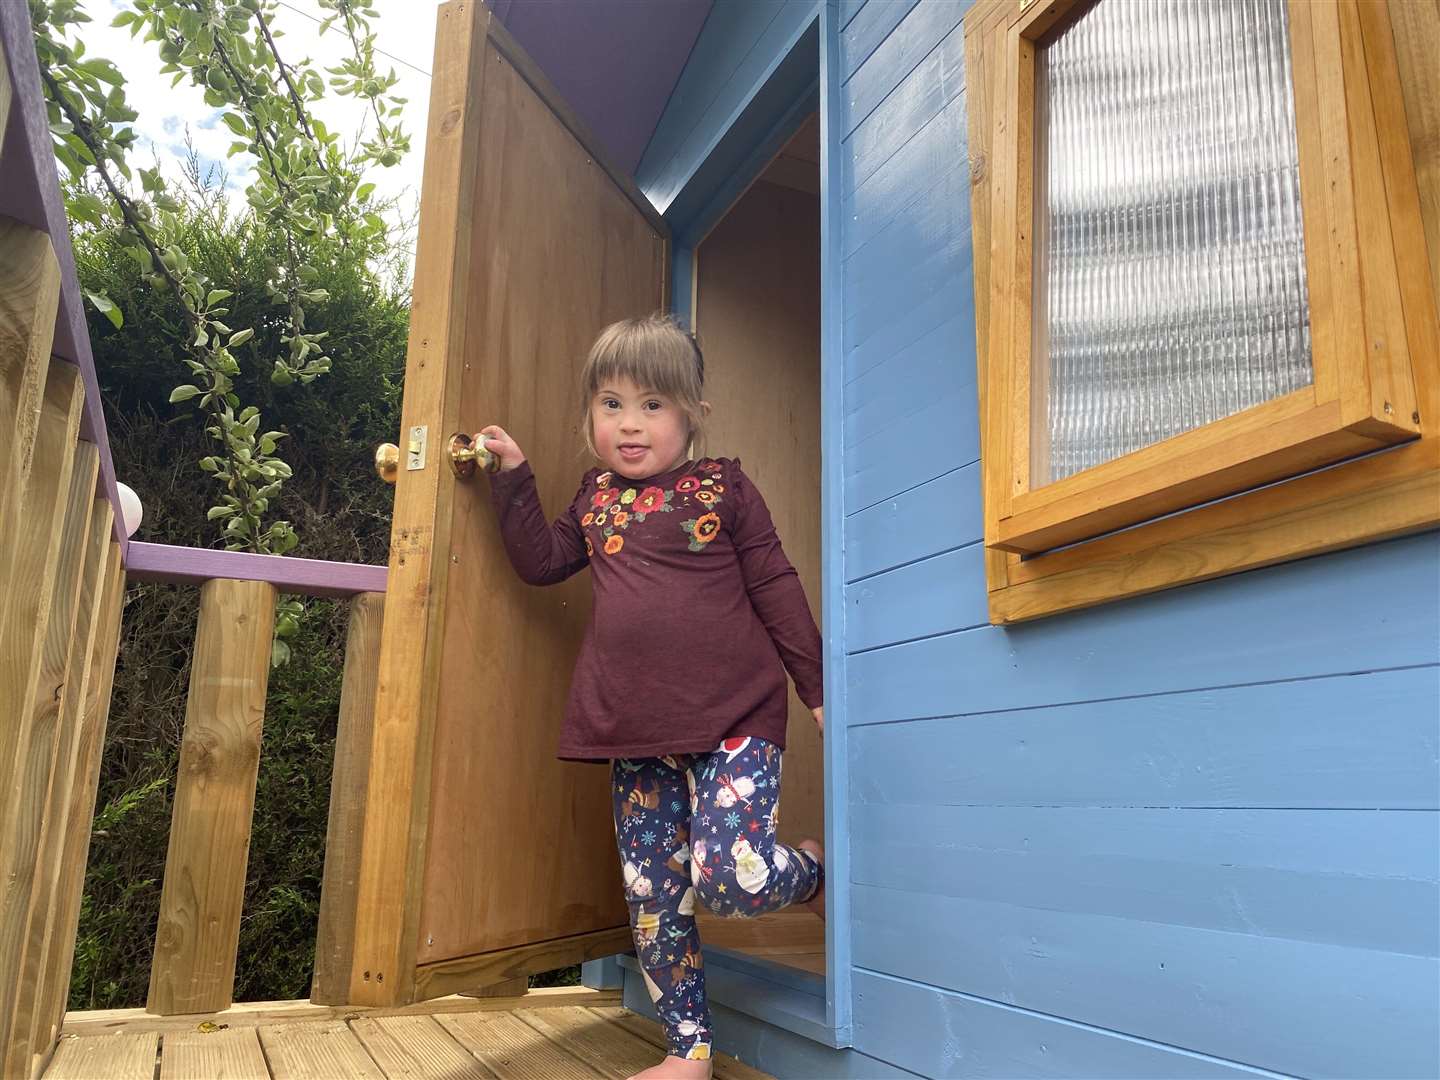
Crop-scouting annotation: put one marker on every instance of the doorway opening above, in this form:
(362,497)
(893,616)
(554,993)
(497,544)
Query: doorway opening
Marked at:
(755,306)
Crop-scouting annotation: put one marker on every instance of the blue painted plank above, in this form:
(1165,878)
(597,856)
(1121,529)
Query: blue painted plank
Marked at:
(1290,1006)
(788,19)
(925,598)
(890,533)
(938,79)
(1289,744)
(835,751)
(939,148)
(731,29)
(847,11)
(602,974)
(929,443)
(1308,618)
(933,302)
(985,1039)
(932,235)
(938,365)
(863,34)
(1360,878)
(893,279)
(915,38)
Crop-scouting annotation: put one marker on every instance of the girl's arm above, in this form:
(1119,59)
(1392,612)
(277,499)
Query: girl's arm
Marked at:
(542,553)
(775,590)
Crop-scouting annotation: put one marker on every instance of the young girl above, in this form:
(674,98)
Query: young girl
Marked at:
(679,683)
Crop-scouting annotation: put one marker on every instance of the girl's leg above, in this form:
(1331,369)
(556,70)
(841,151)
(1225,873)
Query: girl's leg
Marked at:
(652,830)
(737,866)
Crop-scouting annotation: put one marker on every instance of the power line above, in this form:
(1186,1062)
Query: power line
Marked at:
(382,52)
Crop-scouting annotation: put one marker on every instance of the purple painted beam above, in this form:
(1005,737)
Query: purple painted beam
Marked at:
(30,193)
(195,566)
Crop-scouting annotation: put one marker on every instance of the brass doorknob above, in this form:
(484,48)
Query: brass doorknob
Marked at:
(467,451)
(387,462)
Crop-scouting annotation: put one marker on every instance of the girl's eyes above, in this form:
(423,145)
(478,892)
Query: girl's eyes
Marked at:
(651,406)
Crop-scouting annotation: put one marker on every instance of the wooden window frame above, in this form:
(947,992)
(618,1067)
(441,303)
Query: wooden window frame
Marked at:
(1374,331)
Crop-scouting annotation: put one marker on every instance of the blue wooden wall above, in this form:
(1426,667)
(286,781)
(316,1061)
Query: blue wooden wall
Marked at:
(1193,834)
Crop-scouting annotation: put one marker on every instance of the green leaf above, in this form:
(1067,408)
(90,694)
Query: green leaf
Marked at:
(279,653)
(183,393)
(363,192)
(217,512)
(106,307)
(216,295)
(241,336)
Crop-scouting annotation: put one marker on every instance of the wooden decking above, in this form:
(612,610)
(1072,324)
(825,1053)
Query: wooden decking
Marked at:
(543,1035)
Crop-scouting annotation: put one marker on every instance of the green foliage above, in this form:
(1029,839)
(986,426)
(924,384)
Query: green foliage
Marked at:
(306,193)
(342,512)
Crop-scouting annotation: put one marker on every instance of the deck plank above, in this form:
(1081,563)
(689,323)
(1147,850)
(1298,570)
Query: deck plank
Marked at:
(316,1051)
(513,1050)
(228,1054)
(608,1048)
(726,1067)
(416,1048)
(115,1057)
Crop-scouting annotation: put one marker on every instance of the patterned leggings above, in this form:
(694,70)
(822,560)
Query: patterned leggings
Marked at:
(716,812)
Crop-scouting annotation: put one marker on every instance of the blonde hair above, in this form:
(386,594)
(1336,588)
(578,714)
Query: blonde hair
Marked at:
(655,353)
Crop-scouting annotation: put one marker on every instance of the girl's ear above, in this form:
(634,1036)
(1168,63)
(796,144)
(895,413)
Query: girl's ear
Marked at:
(705,408)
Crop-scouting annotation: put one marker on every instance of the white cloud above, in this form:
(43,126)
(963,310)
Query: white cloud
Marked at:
(405,30)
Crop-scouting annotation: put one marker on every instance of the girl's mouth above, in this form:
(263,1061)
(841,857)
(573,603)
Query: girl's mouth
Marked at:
(631,452)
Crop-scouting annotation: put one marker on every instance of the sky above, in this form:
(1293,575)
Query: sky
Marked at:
(405,31)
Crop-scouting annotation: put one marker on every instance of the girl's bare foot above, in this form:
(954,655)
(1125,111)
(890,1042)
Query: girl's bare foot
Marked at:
(817,902)
(676,1068)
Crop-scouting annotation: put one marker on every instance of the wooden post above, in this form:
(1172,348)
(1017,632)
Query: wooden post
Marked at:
(335,936)
(59,948)
(25,806)
(30,547)
(29,298)
(7,93)
(80,669)
(199,927)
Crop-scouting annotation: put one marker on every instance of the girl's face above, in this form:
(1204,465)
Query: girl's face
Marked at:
(638,432)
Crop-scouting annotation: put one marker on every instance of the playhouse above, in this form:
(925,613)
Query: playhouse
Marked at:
(1088,355)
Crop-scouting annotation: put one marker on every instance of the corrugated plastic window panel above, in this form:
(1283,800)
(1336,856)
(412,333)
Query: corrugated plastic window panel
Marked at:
(1169,271)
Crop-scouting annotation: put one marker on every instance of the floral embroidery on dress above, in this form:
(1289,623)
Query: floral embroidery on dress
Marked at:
(702,530)
(614,510)
(651,500)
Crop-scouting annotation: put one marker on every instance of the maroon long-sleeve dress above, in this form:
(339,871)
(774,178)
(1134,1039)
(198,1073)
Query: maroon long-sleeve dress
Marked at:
(697,616)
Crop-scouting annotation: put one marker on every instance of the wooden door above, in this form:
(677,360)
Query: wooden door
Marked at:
(484,858)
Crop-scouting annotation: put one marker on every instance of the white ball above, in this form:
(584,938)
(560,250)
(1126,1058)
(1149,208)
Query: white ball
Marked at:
(131,512)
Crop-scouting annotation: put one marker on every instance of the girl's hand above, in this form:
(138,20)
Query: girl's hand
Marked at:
(499,443)
(819,714)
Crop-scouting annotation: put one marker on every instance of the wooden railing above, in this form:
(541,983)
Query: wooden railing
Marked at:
(64,563)
(198,931)
(65,669)
(61,587)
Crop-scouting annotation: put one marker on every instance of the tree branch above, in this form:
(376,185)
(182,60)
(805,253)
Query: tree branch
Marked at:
(127,210)
(301,113)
